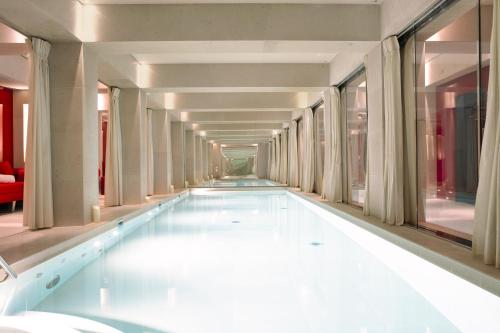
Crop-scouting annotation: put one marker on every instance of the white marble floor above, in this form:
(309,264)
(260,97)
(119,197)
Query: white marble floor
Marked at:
(11,223)
(450,214)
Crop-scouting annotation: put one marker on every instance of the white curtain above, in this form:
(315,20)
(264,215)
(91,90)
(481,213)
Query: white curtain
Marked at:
(273,159)
(284,157)
(410,132)
(332,179)
(149,152)
(269,159)
(38,206)
(294,159)
(307,184)
(277,158)
(318,151)
(393,179)
(170,169)
(113,181)
(347,191)
(486,235)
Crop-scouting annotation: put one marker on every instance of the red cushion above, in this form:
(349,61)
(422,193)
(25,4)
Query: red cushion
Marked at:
(11,192)
(19,173)
(6,168)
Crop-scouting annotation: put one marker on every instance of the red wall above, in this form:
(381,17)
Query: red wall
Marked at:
(6,98)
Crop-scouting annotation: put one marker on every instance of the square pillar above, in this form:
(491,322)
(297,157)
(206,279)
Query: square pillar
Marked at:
(133,122)
(204,159)
(74,132)
(178,154)
(190,157)
(198,171)
(160,151)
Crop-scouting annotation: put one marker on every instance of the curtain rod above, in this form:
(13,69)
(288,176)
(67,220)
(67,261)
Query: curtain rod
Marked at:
(317,104)
(352,75)
(425,17)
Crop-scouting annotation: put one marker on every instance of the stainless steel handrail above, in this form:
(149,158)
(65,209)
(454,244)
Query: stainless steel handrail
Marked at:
(7,268)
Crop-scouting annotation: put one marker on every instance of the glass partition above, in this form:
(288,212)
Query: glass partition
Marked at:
(356,136)
(451,71)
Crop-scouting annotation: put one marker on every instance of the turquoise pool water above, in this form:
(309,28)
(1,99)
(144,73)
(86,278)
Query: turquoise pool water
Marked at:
(239,182)
(266,262)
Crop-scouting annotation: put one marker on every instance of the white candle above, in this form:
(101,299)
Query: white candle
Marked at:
(172,189)
(96,213)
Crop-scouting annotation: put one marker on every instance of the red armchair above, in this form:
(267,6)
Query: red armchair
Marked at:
(11,192)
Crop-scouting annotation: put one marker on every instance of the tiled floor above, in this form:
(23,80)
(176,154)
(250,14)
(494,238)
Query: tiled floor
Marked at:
(451,216)
(11,224)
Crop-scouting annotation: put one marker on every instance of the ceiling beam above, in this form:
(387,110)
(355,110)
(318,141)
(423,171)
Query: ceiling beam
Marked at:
(237,126)
(237,21)
(237,101)
(234,77)
(239,117)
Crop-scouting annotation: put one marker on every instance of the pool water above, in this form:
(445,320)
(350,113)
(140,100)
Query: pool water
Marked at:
(249,262)
(239,182)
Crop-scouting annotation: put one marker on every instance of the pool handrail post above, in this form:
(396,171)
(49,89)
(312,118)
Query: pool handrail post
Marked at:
(6,267)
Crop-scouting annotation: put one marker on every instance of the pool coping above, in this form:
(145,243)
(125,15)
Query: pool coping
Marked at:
(452,257)
(50,252)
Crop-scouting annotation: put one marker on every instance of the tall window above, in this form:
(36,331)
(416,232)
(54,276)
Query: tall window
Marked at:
(450,100)
(356,135)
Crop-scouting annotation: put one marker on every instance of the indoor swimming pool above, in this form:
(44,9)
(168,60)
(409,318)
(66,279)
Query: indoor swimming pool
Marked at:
(239,182)
(266,261)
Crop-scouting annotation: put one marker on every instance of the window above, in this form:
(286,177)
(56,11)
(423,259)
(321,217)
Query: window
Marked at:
(451,88)
(356,136)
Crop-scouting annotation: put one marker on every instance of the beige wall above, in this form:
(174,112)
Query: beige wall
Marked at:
(20,97)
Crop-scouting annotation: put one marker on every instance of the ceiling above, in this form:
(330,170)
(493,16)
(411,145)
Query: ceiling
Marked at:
(235,74)
(143,2)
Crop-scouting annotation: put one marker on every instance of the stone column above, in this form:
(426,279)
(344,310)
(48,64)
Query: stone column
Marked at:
(204,159)
(190,157)
(179,156)
(160,151)
(198,174)
(74,136)
(133,120)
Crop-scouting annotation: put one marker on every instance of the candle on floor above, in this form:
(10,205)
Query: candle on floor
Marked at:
(172,189)
(96,213)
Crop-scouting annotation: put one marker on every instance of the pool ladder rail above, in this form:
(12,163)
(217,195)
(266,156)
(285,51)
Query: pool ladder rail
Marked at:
(7,269)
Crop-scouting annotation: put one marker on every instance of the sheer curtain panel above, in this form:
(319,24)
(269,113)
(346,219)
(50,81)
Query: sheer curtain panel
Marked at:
(410,133)
(284,156)
(393,204)
(149,152)
(486,235)
(294,159)
(113,185)
(308,152)
(38,206)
